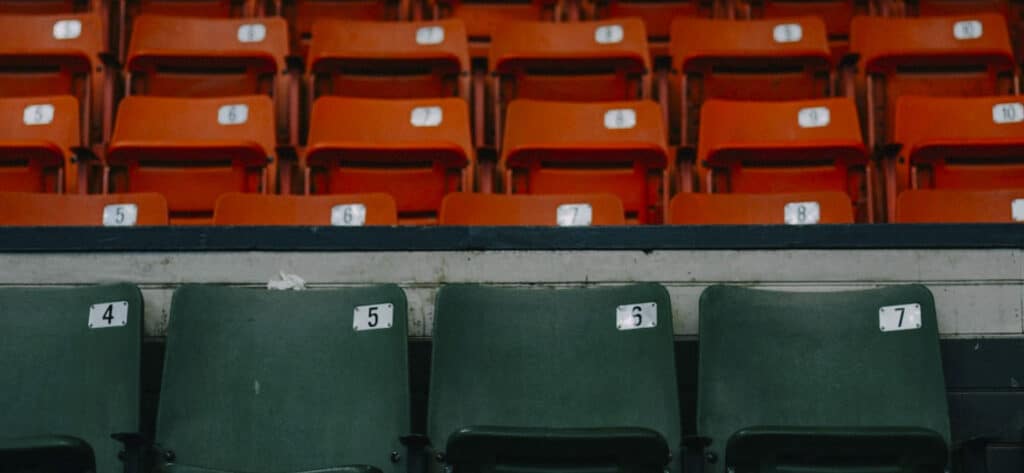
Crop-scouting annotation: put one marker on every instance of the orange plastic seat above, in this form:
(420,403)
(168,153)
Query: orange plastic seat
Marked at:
(37,144)
(955,56)
(214,57)
(797,208)
(131,9)
(389,60)
(416,150)
(582,148)
(349,210)
(836,14)
(46,55)
(579,62)
(779,59)
(302,14)
(577,210)
(482,18)
(656,15)
(121,210)
(193,150)
(956,143)
(794,146)
(960,206)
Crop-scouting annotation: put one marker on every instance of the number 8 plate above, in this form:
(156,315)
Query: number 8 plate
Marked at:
(892,318)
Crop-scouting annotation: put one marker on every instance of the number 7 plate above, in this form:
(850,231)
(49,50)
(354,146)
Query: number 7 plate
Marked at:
(892,318)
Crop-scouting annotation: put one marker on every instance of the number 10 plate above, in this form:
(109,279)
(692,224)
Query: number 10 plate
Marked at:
(892,318)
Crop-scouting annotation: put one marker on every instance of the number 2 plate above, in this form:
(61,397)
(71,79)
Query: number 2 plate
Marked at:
(634,316)
(892,318)
(373,317)
(108,314)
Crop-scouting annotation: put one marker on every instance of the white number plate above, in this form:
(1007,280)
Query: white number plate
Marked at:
(429,35)
(349,215)
(1007,113)
(120,215)
(1017,210)
(426,116)
(108,314)
(233,114)
(574,215)
(609,34)
(813,117)
(892,318)
(636,316)
(968,29)
(802,213)
(67,29)
(788,33)
(620,119)
(252,33)
(373,317)
(41,114)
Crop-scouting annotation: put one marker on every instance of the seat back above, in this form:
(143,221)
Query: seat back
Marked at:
(960,206)
(797,208)
(417,150)
(302,14)
(836,14)
(267,381)
(957,56)
(109,210)
(192,150)
(831,371)
(389,60)
(553,359)
(347,210)
(36,143)
(71,364)
(778,59)
(483,17)
(793,146)
(463,208)
(657,16)
(584,148)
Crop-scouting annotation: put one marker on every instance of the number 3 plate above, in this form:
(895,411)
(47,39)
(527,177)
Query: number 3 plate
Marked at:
(892,318)
(634,316)
(373,317)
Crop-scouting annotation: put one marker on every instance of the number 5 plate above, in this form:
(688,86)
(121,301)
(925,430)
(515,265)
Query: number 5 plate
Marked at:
(634,316)
(892,318)
(373,317)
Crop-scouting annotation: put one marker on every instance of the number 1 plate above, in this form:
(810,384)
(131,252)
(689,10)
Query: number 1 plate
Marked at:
(373,317)
(892,318)
(634,316)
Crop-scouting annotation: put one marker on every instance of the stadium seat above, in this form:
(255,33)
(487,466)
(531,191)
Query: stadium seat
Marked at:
(564,380)
(463,208)
(109,210)
(972,143)
(840,381)
(59,54)
(581,148)
(959,56)
(193,150)
(960,206)
(214,57)
(302,14)
(353,210)
(389,60)
(656,15)
(482,18)
(783,59)
(797,208)
(38,143)
(274,381)
(793,146)
(836,14)
(416,150)
(70,371)
(580,62)
(130,10)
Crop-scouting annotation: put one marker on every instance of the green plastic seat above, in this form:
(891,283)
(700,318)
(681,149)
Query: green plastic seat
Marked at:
(554,380)
(263,381)
(837,382)
(70,374)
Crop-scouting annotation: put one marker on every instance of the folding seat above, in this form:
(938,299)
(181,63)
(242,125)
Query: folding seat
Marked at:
(793,146)
(214,57)
(564,380)
(581,148)
(958,56)
(38,144)
(836,14)
(656,15)
(794,208)
(580,210)
(72,358)
(843,381)
(130,10)
(483,17)
(302,14)
(109,210)
(783,59)
(960,206)
(193,150)
(353,210)
(59,54)
(416,150)
(579,62)
(273,381)
(389,60)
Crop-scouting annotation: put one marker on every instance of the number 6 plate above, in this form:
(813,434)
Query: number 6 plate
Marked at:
(373,317)
(634,316)
(892,318)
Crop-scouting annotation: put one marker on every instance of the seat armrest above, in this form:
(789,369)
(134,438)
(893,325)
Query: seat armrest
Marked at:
(54,453)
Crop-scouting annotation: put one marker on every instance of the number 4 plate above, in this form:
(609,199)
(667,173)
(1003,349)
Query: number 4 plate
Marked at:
(373,317)
(635,316)
(108,314)
(892,318)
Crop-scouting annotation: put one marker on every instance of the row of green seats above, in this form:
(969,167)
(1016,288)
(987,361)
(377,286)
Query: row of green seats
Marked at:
(523,380)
